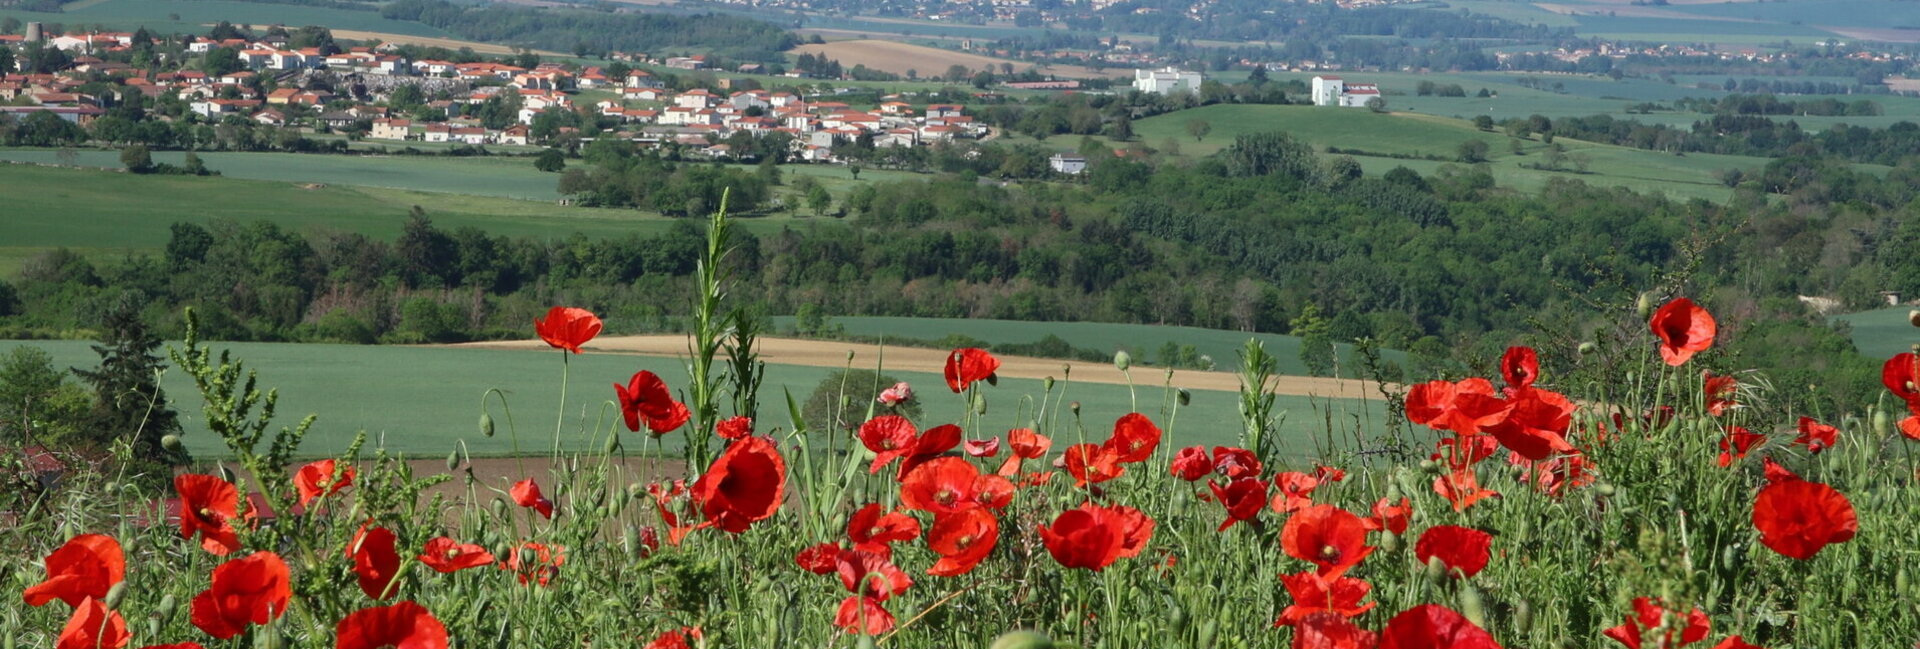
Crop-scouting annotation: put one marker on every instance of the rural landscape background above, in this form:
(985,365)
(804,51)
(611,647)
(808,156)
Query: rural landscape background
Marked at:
(1032,323)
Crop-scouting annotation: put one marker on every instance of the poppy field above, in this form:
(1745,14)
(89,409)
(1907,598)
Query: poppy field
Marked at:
(1665,507)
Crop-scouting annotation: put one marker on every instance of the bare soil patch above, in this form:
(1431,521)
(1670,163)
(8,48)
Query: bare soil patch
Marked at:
(898,58)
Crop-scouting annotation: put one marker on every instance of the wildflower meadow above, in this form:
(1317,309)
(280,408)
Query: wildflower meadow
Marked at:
(1653,505)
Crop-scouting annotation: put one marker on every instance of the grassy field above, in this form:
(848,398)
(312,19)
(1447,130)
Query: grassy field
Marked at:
(1882,333)
(504,177)
(1144,341)
(424,401)
(177,16)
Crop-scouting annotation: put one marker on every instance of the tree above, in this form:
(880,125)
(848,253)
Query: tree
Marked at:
(9,25)
(957,73)
(550,161)
(220,61)
(1199,128)
(195,166)
(1472,151)
(1122,129)
(1377,104)
(128,400)
(137,159)
(1483,122)
(37,404)
(6,60)
(819,200)
(841,400)
(1316,340)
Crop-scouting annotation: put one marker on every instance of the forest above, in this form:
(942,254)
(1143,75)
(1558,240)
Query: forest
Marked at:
(1750,135)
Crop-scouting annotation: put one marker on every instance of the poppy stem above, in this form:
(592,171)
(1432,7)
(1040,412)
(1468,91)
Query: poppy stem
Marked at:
(566,367)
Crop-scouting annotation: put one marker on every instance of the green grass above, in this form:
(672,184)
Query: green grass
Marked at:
(424,401)
(1144,341)
(1882,333)
(195,15)
(505,177)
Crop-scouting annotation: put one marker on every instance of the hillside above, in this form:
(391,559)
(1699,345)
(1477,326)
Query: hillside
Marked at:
(902,58)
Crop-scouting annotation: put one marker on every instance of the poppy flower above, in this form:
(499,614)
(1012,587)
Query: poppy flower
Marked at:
(404,625)
(962,539)
(1519,367)
(374,560)
(899,393)
(1536,425)
(864,615)
(250,590)
(746,484)
(1312,594)
(1025,445)
(1092,536)
(931,444)
(1462,488)
(1797,518)
(567,327)
(1293,491)
(1431,626)
(870,575)
(318,479)
(535,562)
(1901,375)
(734,427)
(1467,407)
(1331,631)
(1463,550)
(526,493)
(818,559)
(208,506)
(176,645)
(85,566)
(992,491)
(943,485)
(1191,463)
(1330,537)
(1720,392)
(1324,473)
(968,365)
(876,532)
(645,400)
(1735,444)
(1554,476)
(1650,614)
(1136,529)
(1243,499)
(890,437)
(1684,329)
(681,638)
(988,447)
(1734,642)
(92,626)
(1092,464)
(1390,517)
(446,555)
(1134,438)
(1235,463)
(663,496)
(1775,473)
(1816,436)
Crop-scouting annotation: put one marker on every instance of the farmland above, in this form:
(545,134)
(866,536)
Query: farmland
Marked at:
(169,16)
(901,58)
(1881,333)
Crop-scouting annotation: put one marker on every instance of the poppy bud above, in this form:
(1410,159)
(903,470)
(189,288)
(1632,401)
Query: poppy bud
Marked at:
(1644,305)
(636,490)
(453,460)
(1122,360)
(1900,581)
(1522,615)
(1729,557)
(1882,423)
(1389,541)
(1605,489)
(613,445)
(1074,406)
(866,642)
(1428,466)
(115,594)
(1588,348)
(499,507)
(153,630)
(1047,383)
(1183,396)
(1471,606)
(171,443)
(486,424)
(1436,569)
(165,609)
(267,640)
(1207,631)
(979,404)
(226,473)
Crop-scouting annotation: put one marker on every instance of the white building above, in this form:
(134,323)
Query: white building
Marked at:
(1334,91)
(1166,81)
(1067,164)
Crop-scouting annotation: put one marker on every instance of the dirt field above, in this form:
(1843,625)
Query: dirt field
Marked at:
(898,58)
(816,353)
(423,41)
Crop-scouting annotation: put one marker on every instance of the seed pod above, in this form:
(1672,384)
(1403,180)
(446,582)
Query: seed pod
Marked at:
(1122,360)
(1183,396)
(1022,640)
(171,443)
(1644,305)
(165,609)
(266,640)
(1471,606)
(486,424)
(115,594)
(1047,383)
(1588,348)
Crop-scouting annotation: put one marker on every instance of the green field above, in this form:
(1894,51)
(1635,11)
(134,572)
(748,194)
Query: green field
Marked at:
(181,16)
(424,401)
(505,177)
(1142,340)
(1881,333)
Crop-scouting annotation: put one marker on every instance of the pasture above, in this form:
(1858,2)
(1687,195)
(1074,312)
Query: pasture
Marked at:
(425,401)
(1880,333)
(502,177)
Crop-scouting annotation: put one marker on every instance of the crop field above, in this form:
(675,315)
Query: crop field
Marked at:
(1880,333)
(176,16)
(504,177)
(899,58)
(426,400)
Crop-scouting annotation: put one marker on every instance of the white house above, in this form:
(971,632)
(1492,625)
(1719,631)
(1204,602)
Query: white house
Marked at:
(1334,91)
(1067,164)
(1166,81)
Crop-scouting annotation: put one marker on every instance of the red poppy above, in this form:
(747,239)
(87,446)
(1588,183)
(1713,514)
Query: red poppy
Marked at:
(931,444)
(252,590)
(1463,550)
(404,625)
(1326,473)
(318,479)
(176,645)
(1553,476)
(526,493)
(1775,473)
(1024,445)
(988,447)
(1136,529)
(208,505)
(1816,436)
(374,560)
(873,531)
(733,427)
(1720,392)
(1684,329)
(962,539)
(1134,438)
(1901,375)
(992,491)
(1243,499)
(1650,614)
(535,562)
(1312,594)
(746,484)
(1390,517)
(92,626)
(895,395)
(663,497)
(1431,626)
(567,327)
(1735,444)
(967,365)
(1519,366)
(1331,631)
(1536,424)
(1093,537)
(1461,452)
(1293,491)
(941,486)
(646,400)
(864,615)
(1467,407)
(1330,537)
(85,566)
(1734,642)
(818,559)
(446,555)
(681,638)
(870,575)
(1462,488)
(1191,463)
(1797,518)
(1235,463)
(1092,463)
(889,437)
